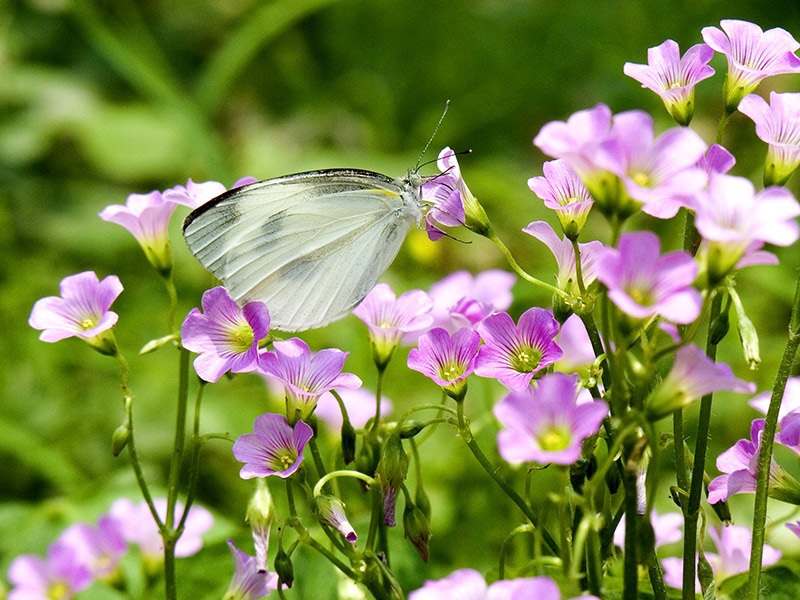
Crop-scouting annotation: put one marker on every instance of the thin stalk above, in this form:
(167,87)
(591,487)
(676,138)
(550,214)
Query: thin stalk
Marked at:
(194,465)
(133,454)
(169,532)
(521,272)
(698,468)
(466,433)
(765,452)
(378,391)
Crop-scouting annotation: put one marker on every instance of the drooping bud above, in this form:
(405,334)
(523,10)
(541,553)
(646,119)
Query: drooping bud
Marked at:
(331,510)
(284,567)
(417,529)
(391,473)
(260,515)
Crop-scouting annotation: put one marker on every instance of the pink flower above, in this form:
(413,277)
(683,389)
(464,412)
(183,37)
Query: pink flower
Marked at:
(62,573)
(577,139)
(136,523)
(447,360)
(674,78)
(146,217)
(249,582)
(82,311)
(777,124)
(196,194)
(660,173)
(306,376)
(693,375)
(574,341)
(732,557)
(545,424)
(716,160)
(564,253)
(789,403)
(752,55)
(452,201)
(464,300)
(513,354)
(468,584)
(564,192)
(99,548)
(642,283)
(225,336)
(667,529)
(739,465)
(274,448)
(389,317)
(731,217)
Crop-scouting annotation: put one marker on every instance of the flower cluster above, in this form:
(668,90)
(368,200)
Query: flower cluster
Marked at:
(86,553)
(577,387)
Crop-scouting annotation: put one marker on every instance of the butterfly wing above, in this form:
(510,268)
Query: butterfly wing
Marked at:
(309,245)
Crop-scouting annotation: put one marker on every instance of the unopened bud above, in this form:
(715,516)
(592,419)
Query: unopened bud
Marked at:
(391,473)
(284,568)
(417,530)
(260,514)
(348,442)
(119,438)
(331,510)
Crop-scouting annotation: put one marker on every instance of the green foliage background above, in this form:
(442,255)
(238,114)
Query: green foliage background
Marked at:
(99,100)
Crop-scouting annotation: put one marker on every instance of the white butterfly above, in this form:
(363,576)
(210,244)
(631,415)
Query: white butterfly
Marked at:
(309,245)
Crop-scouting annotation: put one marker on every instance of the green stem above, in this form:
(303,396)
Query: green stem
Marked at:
(345,473)
(318,463)
(765,452)
(173,304)
(194,465)
(466,433)
(723,122)
(378,391)
(170,533)
(520,271)
(631,562)
(133,454)
(698,468)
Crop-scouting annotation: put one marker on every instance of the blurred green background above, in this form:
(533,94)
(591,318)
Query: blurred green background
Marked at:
(102,99)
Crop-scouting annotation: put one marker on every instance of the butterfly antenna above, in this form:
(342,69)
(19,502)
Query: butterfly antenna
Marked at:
(433,135)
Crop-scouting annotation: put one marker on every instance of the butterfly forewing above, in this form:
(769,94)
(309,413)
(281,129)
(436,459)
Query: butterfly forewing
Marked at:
(310,245)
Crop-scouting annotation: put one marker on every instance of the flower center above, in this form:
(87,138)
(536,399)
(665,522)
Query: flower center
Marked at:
(642,296)
(284,461)
(58,590)
(526,360)
(556,438)
(641,178)
(568,200)
(87,323)
(451,371)
(241,337)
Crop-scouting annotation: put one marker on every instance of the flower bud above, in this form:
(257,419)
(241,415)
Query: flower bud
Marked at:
(260,515)
(331,510)
(411,428)
(417,530)
(391,473)
(348,441)
(284,568)
(120,438)
(719,328)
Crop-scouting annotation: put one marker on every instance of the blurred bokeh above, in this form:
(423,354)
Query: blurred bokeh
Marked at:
(102,99)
